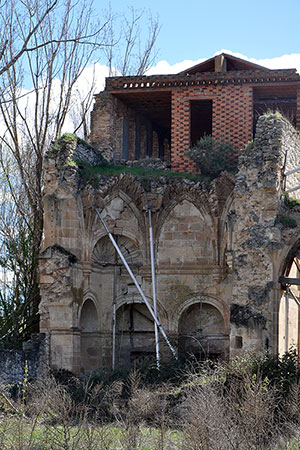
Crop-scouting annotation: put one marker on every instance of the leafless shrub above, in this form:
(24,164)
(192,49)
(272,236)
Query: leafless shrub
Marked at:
(220,408)
(230,411)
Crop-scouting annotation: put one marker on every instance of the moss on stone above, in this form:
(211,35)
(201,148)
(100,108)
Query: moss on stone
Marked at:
(286,222)
(289,202)
(60,143)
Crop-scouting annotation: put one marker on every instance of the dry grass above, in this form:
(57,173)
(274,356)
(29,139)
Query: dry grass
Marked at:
(224,408)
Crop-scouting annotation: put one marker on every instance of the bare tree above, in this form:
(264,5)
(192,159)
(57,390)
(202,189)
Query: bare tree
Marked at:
(46,46)
(126,52)
(129,49)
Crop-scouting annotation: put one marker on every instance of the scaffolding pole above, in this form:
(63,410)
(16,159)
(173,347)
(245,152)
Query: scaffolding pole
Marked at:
(154,290)
(136,284)
(287,319)
(114,319)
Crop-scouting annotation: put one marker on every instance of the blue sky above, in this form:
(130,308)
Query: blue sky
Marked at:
(197,29)
(265,32)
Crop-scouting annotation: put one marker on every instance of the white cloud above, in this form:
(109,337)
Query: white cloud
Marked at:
(163,67)
(291,61)
(95,76)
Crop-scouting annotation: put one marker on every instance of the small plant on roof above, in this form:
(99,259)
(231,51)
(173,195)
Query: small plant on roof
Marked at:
(213,156)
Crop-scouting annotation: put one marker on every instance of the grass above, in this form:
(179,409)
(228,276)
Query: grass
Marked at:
(141,172)
(90,174)
(20,433)
(250,403)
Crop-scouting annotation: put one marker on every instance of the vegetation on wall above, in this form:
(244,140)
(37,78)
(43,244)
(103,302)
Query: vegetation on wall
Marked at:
(286,222)
(213,156)
(90,174)
(290,202)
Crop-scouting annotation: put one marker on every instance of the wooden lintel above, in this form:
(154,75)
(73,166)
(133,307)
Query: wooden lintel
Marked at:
(266,101)
(287,281)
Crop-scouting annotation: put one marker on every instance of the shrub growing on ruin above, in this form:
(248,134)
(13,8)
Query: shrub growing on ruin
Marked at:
(213,156)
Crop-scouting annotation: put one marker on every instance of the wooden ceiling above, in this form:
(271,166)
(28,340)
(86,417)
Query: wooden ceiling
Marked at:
(155,105)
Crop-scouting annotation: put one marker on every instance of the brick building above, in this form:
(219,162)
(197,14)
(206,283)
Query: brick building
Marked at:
(163,115)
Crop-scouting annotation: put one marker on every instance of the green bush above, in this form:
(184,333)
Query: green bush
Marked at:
(214,156)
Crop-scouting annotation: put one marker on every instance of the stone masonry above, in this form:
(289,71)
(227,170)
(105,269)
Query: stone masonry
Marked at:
(219,251)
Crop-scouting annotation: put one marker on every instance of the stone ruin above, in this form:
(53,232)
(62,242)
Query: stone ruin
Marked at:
(224,255)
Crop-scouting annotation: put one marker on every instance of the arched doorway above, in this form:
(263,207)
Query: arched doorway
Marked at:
(289,306)
(135,335)
(90,353)
(201,333)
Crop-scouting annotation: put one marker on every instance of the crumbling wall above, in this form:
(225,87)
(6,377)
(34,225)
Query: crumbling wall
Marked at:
(78,267)
(122,133)
(222,246)
(29,363)
(258,239)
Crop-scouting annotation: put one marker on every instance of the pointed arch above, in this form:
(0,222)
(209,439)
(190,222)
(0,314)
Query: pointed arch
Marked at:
(187,236)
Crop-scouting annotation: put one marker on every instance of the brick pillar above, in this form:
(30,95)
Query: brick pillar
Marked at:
(102,122)
(180,132)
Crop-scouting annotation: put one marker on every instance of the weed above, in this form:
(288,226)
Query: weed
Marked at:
(289,202)
(250,403)
(287,222)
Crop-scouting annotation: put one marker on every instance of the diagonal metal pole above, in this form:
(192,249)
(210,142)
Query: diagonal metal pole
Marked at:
(294,297)
(136,284)
(154,290)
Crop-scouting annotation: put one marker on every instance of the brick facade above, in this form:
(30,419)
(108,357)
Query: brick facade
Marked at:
(231,118)
(150,116)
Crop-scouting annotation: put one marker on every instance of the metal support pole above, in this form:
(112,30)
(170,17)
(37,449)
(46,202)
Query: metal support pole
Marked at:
(154,290)
(136,284)
(114,319)
(287,319)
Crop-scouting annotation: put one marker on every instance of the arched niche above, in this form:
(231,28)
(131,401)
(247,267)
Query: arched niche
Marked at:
(135,335)
(202,333)
(105,254)
(288,308)
(90,345)
(186,237)
(121,213)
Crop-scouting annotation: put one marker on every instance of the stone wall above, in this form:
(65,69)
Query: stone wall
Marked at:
(259,240)
(219,249)
(31,361)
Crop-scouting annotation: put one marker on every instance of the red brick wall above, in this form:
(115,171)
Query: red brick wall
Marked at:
(231,118)
(103,121)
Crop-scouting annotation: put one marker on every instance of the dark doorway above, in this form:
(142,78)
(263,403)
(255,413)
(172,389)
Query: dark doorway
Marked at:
(201,333)
(201,119)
